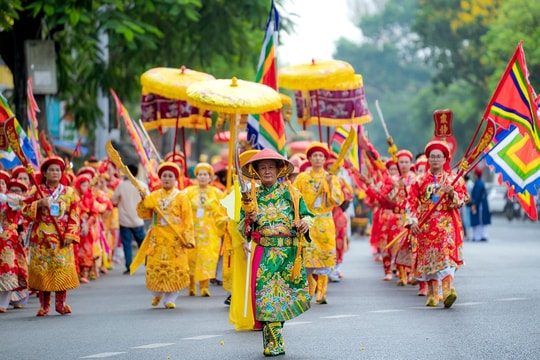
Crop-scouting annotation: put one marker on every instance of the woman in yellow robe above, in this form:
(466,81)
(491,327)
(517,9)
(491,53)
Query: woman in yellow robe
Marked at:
(322,192)
(165,245)
(209,219)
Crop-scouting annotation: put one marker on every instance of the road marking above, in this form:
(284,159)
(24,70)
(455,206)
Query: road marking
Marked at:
(512,299)
(103,355)
(297,322)
(338,316)
(468,304)
(152,346)
(201,337)
(385,311)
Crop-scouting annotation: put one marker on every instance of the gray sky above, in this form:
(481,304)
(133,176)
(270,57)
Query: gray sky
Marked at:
(319,24)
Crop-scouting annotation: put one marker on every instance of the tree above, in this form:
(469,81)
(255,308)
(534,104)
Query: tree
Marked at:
(392,70)
(214,35)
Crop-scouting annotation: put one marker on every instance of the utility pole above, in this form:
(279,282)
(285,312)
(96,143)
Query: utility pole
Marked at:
(102,128)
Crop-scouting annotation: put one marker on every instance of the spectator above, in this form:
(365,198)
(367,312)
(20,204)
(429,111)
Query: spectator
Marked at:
(480,214)
(126,197)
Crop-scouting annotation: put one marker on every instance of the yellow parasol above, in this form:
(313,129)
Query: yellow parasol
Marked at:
(233,96)
(164,104)
(342,103)
(163,101)
(316,76)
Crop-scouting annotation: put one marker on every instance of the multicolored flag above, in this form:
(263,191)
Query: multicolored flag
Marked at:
(267,130)
(340,134)
(134,135)
(7,157)
(512,102)
(32,109)
(515,157)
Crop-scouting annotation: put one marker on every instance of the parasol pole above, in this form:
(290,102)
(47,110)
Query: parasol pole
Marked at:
(248,279)
(232,139)
(149,141)
(318,113)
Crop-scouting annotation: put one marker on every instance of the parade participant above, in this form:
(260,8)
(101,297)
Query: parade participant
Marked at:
(385,221)
(322,193)
(19,173)
(90,244)
(420,165)
(109,219)
(480,214)
(341,223)
(275,222)
(220,175)
(179,159)
(402,251)
(439,238)
(52,262)
(209,219)
(13,265)
(4,181)
(126,198)
(164,248)
(19,298)
(109,169)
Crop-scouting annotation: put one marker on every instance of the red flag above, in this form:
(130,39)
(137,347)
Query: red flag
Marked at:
(45,145)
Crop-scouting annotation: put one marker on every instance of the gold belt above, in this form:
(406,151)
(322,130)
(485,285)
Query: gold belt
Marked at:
(286,241)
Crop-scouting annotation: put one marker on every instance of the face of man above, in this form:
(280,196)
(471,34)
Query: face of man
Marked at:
(317,159)
(393,170)
(267,170)
(436,160)
(168,179)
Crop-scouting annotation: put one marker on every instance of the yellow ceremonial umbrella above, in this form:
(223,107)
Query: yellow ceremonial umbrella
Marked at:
(233,96)
(163,100)
(343,103)
(315,76)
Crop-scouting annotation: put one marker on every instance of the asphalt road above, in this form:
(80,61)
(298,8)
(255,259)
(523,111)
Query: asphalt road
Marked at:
(496,315)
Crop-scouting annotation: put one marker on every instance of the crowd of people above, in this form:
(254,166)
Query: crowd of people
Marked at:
(62,228)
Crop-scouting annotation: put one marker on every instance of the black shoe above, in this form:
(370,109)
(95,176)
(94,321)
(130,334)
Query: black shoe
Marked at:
(126,272)
(483,239)
(228,301)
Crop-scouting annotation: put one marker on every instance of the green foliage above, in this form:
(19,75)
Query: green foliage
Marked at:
(9,13)
(215,36)
(517,20)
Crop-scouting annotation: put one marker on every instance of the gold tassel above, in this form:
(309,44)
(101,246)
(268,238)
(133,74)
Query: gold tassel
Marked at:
(298,260)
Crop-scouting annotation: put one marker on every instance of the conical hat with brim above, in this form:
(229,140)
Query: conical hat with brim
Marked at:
(248,169)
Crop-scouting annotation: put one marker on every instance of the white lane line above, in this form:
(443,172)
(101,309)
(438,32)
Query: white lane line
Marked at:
(338,316)
(468,304)
(152,346)
(512,299)
(385,311)
(201,337)
(103,355)
(291,323)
